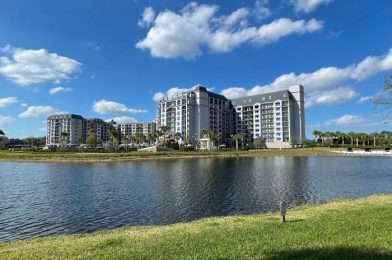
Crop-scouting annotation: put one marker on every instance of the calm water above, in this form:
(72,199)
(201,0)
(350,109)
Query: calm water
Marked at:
(39,199)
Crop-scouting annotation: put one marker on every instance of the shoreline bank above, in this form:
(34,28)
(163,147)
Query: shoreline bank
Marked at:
(341,228)
(135,156)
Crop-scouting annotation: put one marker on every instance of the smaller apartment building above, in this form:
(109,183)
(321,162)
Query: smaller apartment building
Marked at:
(274,117)
(78,127)
(129,129)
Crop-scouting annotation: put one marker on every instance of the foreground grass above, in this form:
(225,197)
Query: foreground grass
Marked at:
(350,229)
(99,156)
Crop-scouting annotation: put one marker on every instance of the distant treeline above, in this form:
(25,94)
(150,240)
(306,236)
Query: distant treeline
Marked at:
(375,139)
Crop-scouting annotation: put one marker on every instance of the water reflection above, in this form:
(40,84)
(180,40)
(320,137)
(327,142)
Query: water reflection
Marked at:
(58,198)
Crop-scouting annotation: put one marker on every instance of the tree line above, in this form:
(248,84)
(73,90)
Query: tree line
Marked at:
(375,139)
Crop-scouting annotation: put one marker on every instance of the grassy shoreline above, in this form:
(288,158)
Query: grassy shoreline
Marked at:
(343,229)
(130,156)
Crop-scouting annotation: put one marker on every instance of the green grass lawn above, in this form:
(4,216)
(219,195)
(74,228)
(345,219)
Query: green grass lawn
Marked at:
(42,155)
(349,229)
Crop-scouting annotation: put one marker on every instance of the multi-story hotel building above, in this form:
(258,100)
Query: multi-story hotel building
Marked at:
(65,123)
(193,111)
(277,118)
(129,129)
(78,127)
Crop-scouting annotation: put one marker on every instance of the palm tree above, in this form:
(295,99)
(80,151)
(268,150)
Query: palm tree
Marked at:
(151,138)
(114,136)
(2,132)
(213,136)
(236,138)
(322,135)
(316,135)
(374,136)
(364,138)
(351,135)
(64,139)
(164,130)
(125,140)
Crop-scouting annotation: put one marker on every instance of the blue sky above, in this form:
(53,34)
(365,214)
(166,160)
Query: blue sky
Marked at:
(114,59)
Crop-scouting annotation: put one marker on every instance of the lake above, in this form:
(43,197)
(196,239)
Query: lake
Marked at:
(41,198)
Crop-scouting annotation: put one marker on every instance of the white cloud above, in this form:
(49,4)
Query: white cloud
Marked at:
(38,111)
(123,120)
(58,89)
(109,107)
(234,92)
(159,96)
(148,17)
(25,67)
(345,120)
(323,85)
(308,6)
(365,99)
(204,28)
(5,120)
(4,102)
(330,97)
(24,105)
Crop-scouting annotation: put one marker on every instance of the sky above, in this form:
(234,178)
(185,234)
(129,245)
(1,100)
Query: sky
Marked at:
(117,59)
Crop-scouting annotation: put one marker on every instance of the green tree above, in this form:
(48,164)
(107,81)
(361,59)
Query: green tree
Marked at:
(114,138)
(91,140)
(165,130)
(237,138)
(64,140)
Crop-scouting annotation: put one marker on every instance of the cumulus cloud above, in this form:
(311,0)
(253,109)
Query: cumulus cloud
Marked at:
(110,107)
(234,92)
(25,67)
(330,97)
(38,111)
(148,17)
(58,89)
(345,120)
(205,29)
(4,102)
(324,85)
(159,96)
(123,120)
(5,120)
(308,6)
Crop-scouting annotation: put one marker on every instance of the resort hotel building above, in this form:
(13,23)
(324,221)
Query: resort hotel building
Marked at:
(76,127)
(277,119)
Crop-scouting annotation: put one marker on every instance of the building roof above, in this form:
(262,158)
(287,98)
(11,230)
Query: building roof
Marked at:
(58,116)
(262,98)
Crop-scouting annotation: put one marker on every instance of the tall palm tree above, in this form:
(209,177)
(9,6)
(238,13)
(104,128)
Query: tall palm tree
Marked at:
(113,133)
(165,129)
(2,132)
(237,138)
(364,138)
(351,135)
(151,138)
(375,137)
